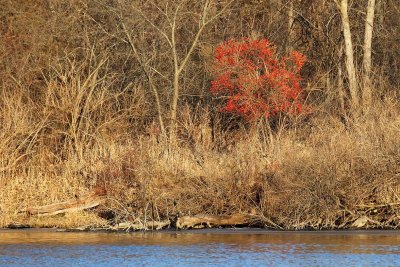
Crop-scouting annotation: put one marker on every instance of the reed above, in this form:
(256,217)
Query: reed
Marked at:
(316,173)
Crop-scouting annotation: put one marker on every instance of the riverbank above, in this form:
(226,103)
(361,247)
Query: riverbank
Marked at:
(208,231)
(226,112)
(319,174)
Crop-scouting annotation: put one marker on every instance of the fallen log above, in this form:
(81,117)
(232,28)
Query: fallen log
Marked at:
(362,222)
(202,220)
(137,225)
(17,225)
(91,200)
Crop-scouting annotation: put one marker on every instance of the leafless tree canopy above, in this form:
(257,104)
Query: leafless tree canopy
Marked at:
(167,46)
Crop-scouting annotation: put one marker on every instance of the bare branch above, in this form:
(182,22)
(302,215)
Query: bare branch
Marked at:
(204,22)
(146,67)
(219,13)
(153,25)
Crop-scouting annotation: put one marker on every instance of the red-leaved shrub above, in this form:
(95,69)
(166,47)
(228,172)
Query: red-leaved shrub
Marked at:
(255,81)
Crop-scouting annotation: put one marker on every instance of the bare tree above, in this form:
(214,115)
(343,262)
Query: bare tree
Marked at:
(173,16)
(290,24)
(144,64)
(340,88)
(349,51)
(380,9)
(367,61)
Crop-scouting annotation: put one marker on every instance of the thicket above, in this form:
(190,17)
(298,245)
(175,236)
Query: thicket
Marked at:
(256,83)
(147,99)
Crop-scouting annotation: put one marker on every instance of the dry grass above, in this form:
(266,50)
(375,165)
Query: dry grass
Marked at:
(316,175)
(78,132)
(54,142)
(76,112)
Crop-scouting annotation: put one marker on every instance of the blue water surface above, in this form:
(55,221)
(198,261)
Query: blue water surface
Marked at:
(225,248)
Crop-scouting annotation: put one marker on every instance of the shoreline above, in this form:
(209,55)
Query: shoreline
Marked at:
(220,230)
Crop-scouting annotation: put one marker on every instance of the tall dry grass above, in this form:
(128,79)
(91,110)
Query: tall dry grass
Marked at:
(55,141)
(71,123)
(318,175)
(80,133)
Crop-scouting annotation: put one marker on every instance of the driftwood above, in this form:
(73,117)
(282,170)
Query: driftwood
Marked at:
(17,225)
(185,222)
(137,225)
(88,201)
(124,226)
(362,222)
(201,220)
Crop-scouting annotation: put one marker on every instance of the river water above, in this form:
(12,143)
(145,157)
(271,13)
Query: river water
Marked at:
(200,248)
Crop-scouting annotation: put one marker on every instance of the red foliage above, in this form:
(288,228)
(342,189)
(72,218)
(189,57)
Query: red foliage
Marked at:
(255,82)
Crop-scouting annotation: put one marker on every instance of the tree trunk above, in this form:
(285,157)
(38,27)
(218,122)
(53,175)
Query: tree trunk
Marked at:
(290,25)
(147,72)
(367,61)
(340,82)
(351,71)
(380,6)
(174,106)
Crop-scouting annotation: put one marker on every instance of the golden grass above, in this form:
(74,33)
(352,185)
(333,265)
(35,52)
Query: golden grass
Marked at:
(75,113)
(78,134)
